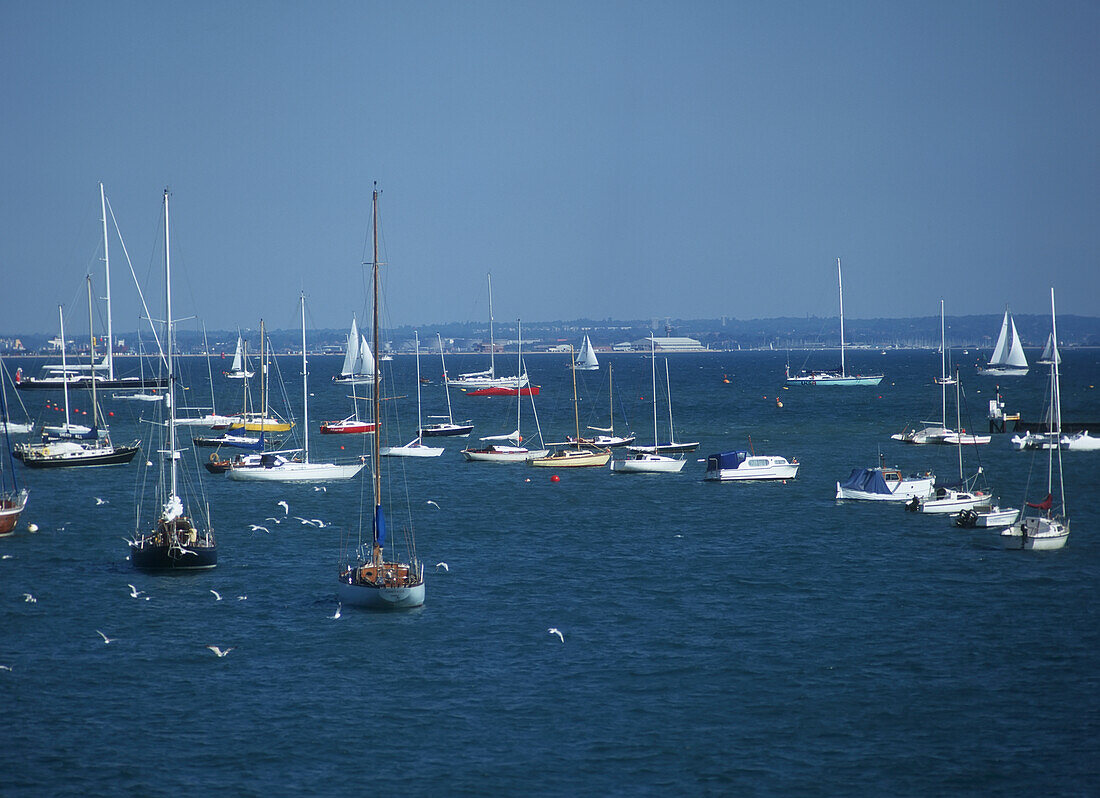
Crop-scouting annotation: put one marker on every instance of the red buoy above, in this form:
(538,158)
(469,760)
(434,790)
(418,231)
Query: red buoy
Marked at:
(555,478)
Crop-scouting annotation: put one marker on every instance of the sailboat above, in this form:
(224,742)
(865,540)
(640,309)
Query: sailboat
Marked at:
(608,439)
(842,377)
(359,363)
(958,496)
(7,425)
(13,499)
(265,420)
(673,446)
(239,369)
(79,449)
(213,418)
(575,455)
(502,452)
(370,579)
(480,380)
(1049,528)
(415,447)
(275,466)
(1008,358)
(586,357)
(448,428)
(649,462)
(177,541)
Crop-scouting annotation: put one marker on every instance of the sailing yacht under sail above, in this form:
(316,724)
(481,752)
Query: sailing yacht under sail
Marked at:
(586,357)
(842,377)
(1008,358)
(239,369)
(177,541)
(359,363)
(370,579)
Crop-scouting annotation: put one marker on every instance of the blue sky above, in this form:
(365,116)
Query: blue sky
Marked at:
(601,159)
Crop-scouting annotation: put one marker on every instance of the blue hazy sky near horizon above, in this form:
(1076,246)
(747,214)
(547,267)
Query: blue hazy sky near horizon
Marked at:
(626,160)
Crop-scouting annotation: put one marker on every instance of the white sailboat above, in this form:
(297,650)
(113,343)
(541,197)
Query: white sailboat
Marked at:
(175,542)
(499,450)
(842,377)
(488,379)
(368,578)
(586,357)
(1048,529)
(415,447)
(607,439)
(673,446)
(649,462)
(448,428)
(276,467)
(1008,358)
(13,499)
(359,364)
(239,369)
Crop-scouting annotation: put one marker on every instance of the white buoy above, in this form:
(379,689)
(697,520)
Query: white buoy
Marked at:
(32,527)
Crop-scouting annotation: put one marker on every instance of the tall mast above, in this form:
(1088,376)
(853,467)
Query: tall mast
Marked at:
(492,345)
(64,366)
(263,376)
(610,401)
(305,387)
(1056,407)
(576,410)
(446,382)
(958,420)
(376,402)
(668,389)
(519,370)
(91,354)
(209,369)
(107,271)
(171,361)
(653,375)
(943,369)
(416,335)
(840,284)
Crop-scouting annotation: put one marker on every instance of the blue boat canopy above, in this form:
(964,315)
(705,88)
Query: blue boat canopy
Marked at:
(868,480)
(726,460)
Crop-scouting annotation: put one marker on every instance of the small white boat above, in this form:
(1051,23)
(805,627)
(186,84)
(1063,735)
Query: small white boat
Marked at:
(964,438)
(945,501)
(586,357)
(1035,440)
(489,379)
(741,465)
(415,447)
(239,369)
(990,518)
(885,485)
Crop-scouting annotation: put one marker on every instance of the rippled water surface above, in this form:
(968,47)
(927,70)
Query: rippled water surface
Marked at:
(739,639)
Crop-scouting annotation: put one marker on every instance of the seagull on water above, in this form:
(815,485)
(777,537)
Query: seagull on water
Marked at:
(106,640)
(99,501)
(242,598)
(220,652)
(27,597)
(217,595)
(321,488)
(442,565)
(285,506)
(554,631)
(436,506)
(339,606)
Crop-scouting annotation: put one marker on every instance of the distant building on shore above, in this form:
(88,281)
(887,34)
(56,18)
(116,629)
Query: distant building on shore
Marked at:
(669,344)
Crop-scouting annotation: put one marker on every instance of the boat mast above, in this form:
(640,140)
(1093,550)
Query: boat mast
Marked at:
(305,388)
(671,429)
(416,337)
(610,401)
(576,411)
(943,370)
(171,361)
(1056,408)
(653,375)
(492,345)
(64,366)
(209,368)
(446,382)
(840,284)
(958,421)
(519,370)
(91,353)
(376,402)
(107,271)
(263,380)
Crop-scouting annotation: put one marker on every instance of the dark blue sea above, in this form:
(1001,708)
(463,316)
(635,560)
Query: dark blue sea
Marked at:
(741,639)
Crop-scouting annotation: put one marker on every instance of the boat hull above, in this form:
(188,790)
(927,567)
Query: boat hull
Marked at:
(838,380)
(905,491)
(503,454)
(951,502)
(1003,371)
(159,557)
(496,390)
(994,518)
(85,383)
(119,455)
(648,464)
(295,472)
(666,448)
(375,597)
(746,474)
(411,450)
(11,507)
(573,458)
(447,431)
(347,428)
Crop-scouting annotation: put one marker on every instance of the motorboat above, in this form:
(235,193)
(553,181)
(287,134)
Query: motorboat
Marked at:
(741,465)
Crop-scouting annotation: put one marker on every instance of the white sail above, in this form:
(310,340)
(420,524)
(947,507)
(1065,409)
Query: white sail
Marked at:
(1008,351)
(365,363)
(352,355)
(238,357)
(1050,352)
(586,358)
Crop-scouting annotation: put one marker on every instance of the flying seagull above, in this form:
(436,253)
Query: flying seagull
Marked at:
(436,506)
(257,527)
(442,565)
(135,593)
(285,506)
(99,501)
(339,606)
(106,640)
(554,631)
(217,595)
(321,488)
(220,652)
(27,597)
